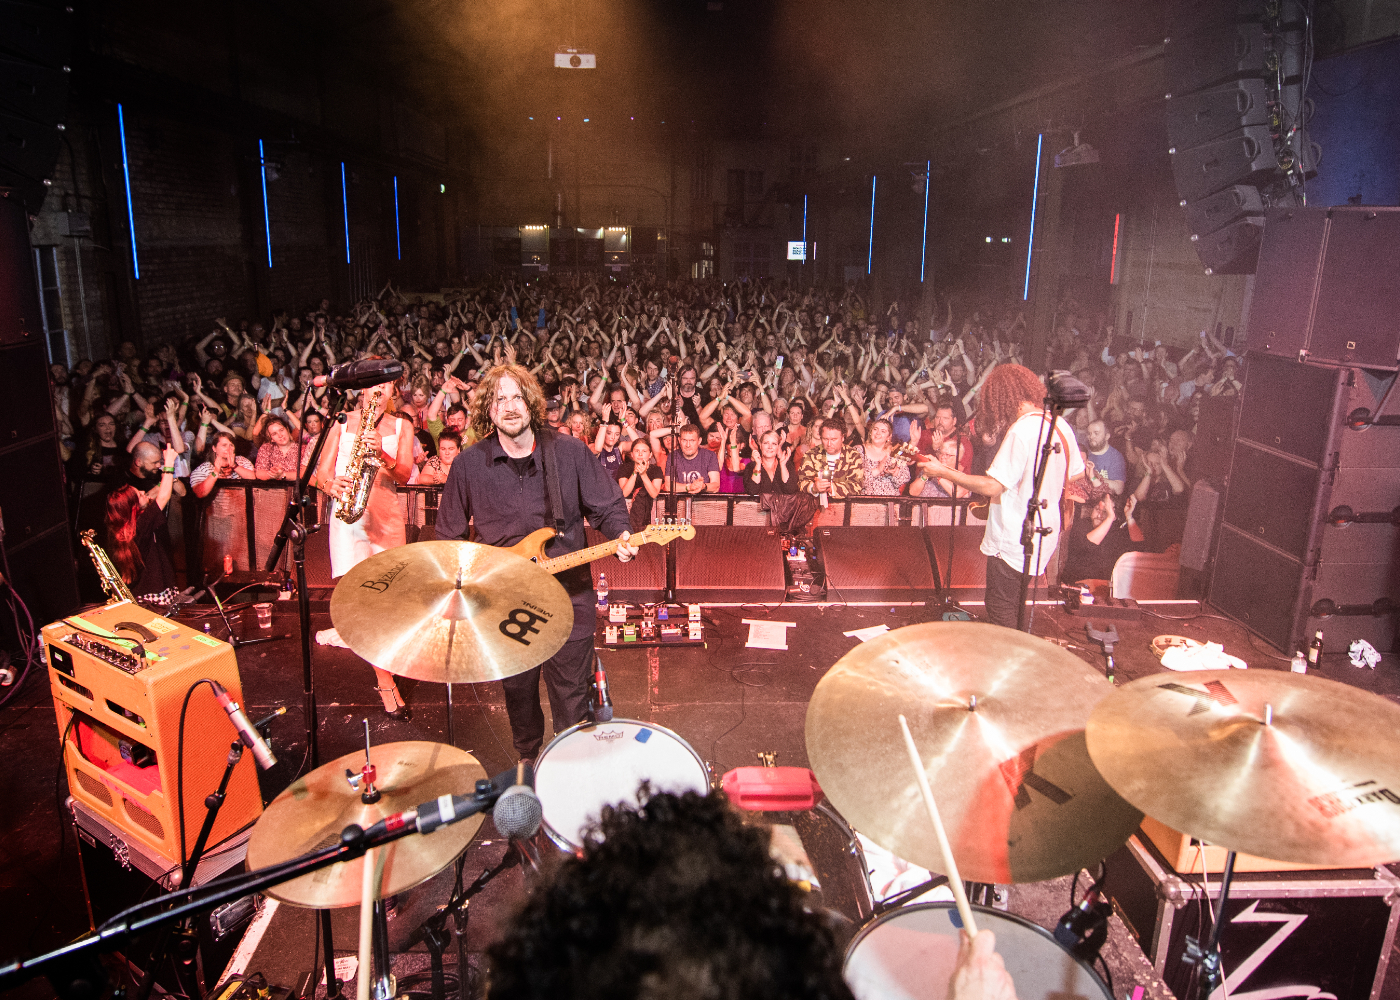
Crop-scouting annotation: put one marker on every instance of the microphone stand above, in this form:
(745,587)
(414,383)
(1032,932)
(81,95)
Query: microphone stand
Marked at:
(295,529)
(1029,530)
(672,506)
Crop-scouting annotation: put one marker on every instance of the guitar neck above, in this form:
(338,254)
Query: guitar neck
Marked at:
(583,556)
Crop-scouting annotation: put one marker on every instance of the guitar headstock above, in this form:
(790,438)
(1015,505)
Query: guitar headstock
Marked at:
(661,534)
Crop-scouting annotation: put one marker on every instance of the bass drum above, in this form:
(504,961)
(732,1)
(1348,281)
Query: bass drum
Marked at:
(592,765)
(909,953)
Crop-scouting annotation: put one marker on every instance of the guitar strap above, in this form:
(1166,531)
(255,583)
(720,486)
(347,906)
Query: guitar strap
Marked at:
(553,499)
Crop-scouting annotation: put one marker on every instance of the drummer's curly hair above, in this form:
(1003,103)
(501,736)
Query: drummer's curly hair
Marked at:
(676,898)
(486,394)
(1006,388)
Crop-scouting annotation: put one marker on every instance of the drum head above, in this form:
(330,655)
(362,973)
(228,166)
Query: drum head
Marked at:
(590,766)
(909,953)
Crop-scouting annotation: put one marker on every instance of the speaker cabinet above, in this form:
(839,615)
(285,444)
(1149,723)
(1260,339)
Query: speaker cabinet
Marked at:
(1308,538)
(1327,286)
(876,564)
(730,565)
(640,581)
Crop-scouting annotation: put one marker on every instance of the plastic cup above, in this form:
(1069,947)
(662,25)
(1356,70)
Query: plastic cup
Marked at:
(264,615)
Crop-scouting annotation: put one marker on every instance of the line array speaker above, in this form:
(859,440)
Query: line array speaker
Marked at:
(1327,286)
(1311,521)
(1236,124)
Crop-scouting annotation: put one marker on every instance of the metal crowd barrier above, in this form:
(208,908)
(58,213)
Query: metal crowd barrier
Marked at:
(241,518)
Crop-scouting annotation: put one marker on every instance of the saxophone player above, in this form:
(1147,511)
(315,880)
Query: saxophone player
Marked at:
(381,526)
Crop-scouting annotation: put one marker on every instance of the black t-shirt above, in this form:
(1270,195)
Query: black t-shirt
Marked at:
(1088,561)
(640,515)
(770,484)
(153,542)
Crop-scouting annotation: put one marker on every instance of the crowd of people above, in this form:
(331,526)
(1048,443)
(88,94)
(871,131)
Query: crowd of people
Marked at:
(799,396)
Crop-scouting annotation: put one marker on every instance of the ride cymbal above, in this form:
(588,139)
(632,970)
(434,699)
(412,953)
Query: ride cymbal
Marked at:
(1269,763)
(310,813)
(500,614)
(998,717)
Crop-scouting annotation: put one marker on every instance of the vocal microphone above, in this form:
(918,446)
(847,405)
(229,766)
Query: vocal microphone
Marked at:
(603,708)
(445,809)
(247,732)
(360,374)
(518,811)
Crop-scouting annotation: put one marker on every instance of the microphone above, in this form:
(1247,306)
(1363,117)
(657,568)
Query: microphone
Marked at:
(360,374)
(518,812)
(428,816)
(247,732)
(603,707)
(1066,391)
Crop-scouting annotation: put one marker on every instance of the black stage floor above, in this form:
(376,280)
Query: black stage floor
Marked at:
(728,701)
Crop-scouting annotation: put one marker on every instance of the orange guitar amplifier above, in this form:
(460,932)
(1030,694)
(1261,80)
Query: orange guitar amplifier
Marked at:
(119,719)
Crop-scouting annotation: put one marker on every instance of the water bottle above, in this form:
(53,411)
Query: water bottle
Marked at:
(602,591)
(1300,663)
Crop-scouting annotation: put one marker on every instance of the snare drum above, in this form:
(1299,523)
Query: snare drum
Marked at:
(589,766)
(909,953)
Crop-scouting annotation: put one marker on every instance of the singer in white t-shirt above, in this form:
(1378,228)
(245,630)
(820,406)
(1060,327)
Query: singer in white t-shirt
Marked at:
(1011,403)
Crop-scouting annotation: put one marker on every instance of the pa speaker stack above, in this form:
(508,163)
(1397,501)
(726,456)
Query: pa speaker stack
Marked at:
(1235,118)
(1311,521)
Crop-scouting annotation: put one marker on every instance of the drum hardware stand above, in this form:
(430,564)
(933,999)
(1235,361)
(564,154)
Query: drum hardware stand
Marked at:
(433,931)
(1207,959)
(455,611)
(1106,640)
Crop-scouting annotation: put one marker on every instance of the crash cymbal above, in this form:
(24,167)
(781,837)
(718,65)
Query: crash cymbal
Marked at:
(311,812)
(998,717)
(501,613)
(1274,764)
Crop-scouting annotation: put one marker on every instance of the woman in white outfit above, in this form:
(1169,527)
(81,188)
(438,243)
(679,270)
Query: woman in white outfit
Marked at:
(382,526)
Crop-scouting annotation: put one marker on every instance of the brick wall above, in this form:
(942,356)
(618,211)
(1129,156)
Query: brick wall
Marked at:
(190,233)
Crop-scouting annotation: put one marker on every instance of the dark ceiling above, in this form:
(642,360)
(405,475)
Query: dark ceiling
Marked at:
(876,75)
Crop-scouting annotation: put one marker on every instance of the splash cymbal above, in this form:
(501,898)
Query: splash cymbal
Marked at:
(310,813)
(1265,762)
(499,613)
(999,718)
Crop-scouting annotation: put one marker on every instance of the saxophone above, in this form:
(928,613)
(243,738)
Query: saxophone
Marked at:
(363,465)
(112,581)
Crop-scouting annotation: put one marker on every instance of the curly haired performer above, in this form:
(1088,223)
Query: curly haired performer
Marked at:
(1010,404)
(498,484)
(676,896)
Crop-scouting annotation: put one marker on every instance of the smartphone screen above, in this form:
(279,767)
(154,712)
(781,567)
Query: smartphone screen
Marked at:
(779,363)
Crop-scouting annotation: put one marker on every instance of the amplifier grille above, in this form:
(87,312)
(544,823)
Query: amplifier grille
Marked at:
(143,818)
(93,788)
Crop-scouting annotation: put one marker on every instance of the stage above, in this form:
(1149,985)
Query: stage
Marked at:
(729,702)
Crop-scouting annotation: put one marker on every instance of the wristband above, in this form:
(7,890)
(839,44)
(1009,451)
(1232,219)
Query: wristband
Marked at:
(168,471)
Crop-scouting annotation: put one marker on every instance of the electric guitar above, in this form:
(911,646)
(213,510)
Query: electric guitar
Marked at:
(532,545)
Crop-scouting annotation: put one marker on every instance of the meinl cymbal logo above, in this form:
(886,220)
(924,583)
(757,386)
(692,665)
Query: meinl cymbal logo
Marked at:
(1334,804)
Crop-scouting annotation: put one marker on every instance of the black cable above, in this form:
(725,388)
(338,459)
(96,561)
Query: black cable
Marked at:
(487,719)
(1108,976)
(58,784)
(180,765)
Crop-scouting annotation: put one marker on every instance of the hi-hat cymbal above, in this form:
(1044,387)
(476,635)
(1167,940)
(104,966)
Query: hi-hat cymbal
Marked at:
(499,612)
(311,812)
(998,717)
(1275,764)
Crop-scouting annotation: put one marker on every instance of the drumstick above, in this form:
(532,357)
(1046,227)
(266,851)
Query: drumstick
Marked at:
(950,867)
(369,894)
